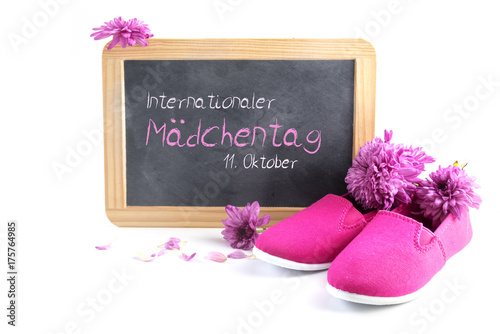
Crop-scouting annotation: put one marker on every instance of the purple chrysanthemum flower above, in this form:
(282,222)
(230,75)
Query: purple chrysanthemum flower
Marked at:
(124,32)
(449,190)
(241,226)
(383,174)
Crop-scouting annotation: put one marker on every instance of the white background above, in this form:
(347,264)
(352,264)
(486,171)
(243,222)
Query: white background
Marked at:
(431,56)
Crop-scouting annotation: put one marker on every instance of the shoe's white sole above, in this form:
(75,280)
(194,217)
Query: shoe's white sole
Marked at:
(261,255)
(371,300)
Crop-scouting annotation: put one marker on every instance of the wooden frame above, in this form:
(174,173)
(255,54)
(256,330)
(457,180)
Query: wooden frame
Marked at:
(264,49)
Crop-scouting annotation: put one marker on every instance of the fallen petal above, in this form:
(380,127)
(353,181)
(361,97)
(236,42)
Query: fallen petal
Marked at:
(103,247)
(171,245)
(176,240)
(217,257)
(186,257)
(160,253)
(237,255)
(145,258)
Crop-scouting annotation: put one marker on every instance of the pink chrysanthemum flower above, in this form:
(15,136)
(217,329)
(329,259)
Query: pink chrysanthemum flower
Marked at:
(241,226)
(124,32)
(448,190)
(383,174)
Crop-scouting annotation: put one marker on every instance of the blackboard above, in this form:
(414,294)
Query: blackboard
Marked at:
(191,133)
(309,101)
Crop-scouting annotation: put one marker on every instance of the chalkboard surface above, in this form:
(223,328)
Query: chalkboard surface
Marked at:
(192,125)
(218,132)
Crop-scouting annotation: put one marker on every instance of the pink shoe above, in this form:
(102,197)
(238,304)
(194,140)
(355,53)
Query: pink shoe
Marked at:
(395,256)
(313,237)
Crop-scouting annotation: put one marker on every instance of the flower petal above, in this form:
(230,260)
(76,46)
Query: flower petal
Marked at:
(217,257)
(114,42)
(173,239)
(237,255)
(264,220)
(387,135)
(160,253)
(230,222)
(145,258)
(234,212)
(172,243)
(188,257)
(255,209)
(104,247)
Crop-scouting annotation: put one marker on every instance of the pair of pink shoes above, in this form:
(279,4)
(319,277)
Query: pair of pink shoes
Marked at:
(382,256)
(379,258)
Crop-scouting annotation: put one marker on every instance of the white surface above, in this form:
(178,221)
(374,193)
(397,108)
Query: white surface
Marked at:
(432,56)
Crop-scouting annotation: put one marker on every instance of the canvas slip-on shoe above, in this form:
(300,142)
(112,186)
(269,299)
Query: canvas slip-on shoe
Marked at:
(395,256)
(313,237)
